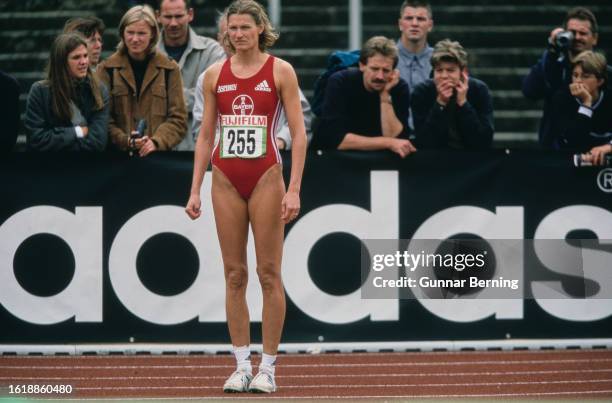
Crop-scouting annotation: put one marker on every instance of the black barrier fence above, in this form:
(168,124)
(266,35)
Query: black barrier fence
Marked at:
(97,248)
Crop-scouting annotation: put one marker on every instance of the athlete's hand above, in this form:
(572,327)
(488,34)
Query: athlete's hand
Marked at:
(193,207)
(290,207)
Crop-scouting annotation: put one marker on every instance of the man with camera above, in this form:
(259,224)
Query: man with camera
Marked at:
(553,70)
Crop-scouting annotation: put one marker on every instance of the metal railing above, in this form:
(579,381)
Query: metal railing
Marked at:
(355,28)
(355,24)
(274,11)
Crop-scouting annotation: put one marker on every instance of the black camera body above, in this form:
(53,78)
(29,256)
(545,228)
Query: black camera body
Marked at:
(563,41)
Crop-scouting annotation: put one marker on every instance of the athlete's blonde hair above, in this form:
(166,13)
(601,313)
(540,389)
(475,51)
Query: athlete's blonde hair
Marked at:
(268,37)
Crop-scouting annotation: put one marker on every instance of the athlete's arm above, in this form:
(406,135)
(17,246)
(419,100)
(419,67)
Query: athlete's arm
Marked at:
(205,142)
(287,83)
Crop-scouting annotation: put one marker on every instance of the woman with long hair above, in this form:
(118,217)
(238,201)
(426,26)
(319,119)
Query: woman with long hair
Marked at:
(245,95)
(146,88)
(69,109)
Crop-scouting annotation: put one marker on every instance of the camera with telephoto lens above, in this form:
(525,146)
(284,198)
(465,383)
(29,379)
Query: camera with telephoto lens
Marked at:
(563,41)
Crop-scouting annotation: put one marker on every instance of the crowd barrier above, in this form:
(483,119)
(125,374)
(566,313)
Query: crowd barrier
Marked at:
(98,249)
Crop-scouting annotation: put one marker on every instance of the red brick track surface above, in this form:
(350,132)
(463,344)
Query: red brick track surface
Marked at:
(552,375)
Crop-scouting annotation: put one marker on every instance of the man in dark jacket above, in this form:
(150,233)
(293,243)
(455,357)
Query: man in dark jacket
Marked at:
(553,70)
(367,108)
(452,110)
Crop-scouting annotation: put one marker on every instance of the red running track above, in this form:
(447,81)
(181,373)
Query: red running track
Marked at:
(552,375)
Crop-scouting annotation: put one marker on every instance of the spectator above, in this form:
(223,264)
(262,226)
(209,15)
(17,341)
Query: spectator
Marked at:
(415,23)
(452,110)
(9,111)
(145,85)
(192,52)
(367,108)
(580,113)
(93,29)
(553,70)
(283,136)
(69,110)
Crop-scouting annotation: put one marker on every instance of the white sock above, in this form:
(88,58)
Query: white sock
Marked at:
(243,358)
(268,362)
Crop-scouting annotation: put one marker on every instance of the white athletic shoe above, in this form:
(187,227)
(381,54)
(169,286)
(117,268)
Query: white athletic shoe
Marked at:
(263,383)
(238,382)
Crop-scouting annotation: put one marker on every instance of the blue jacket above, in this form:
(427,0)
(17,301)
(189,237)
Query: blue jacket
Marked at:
(577,127)
(544,80)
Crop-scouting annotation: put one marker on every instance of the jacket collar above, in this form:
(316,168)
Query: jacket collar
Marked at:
(121,62)
(194,42)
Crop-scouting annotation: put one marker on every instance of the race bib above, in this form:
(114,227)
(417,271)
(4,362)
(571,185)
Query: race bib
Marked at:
(243,136)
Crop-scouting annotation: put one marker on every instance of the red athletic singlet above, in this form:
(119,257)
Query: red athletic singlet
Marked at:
(249,109)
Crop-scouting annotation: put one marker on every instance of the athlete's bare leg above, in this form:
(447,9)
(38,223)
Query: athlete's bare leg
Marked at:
(268,230)
(232,219)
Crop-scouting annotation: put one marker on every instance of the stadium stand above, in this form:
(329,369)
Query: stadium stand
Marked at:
(503,40)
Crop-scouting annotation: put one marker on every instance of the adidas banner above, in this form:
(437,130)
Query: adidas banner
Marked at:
(98,249)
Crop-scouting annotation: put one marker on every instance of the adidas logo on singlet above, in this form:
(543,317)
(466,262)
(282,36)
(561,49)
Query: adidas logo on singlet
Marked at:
(263,86)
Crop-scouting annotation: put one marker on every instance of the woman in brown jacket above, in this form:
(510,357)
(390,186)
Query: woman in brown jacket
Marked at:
(145,86)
